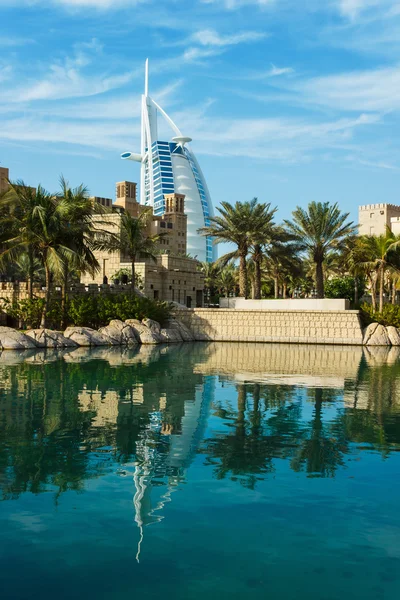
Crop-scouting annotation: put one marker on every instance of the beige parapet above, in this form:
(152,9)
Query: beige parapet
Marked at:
(342,327)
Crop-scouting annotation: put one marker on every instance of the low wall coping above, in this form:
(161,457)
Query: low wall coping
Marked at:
(270,311)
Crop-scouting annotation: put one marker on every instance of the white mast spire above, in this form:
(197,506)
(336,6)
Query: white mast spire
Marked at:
(146,78)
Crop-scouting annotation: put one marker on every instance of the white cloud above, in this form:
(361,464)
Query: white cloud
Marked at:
(100,4)
(10,42)
(233,4)
(353,8)
(367,10)
(68,78)
(373,90)
(5,73)
(97,134)
(210,37)
(276,71)
(198,54)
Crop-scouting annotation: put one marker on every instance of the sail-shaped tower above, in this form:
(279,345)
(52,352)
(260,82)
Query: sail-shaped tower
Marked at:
(169,167)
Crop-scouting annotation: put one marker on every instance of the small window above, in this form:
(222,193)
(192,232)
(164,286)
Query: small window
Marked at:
(162,224)
(371,230)
(169,225)
(371,215)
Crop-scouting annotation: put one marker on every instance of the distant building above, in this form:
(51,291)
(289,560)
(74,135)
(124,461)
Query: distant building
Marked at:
(3,179)
(373,219)
(171,167)
(106,202)
(173,277)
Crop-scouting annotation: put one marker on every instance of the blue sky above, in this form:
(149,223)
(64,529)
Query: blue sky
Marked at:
(286,100)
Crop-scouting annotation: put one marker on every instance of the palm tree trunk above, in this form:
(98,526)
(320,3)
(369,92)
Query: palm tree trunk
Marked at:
(284,290)
(276,288)
(373,292)
(64,298)
(133,275)
(31,274)
(257,273)
(43,322)
(393,292)
(381,282)
(355,290)
(243,275)
(319,279)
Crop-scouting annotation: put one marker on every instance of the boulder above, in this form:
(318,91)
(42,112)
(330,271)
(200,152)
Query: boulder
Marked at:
(46,338)
(119,333)
(376,356)
(11,339)
(184,331)
(154,326)
(393,335)
(145,335)
(85,336)
(171,336)
(376,335)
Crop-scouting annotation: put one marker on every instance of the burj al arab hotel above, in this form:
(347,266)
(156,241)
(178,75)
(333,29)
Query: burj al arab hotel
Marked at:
(171,167)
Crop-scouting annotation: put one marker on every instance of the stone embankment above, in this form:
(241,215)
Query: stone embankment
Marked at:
(134,332)
(118,333)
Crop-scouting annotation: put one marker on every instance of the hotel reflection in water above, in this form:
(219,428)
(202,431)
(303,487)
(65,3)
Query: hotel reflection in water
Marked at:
(151,406)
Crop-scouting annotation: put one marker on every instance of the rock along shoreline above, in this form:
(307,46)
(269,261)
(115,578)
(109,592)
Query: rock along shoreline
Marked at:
(133,332)
(118,333)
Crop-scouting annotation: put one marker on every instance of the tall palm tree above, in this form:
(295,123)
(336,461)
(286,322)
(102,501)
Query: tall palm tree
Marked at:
(133,241)
(39,227)
(17,217)
(79,234)
(318,230)
(227,279)
(236,224)
(262,234)
(378,253)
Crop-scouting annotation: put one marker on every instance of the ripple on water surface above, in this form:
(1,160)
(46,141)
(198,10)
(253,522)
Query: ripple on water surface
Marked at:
(200,470)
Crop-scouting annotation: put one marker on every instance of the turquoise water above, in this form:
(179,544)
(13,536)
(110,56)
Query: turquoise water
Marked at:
(200,471)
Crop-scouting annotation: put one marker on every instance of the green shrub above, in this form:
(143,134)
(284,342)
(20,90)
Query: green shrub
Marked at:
(390,315)
(343,287)
(97,311)
(28,312)
(88,311)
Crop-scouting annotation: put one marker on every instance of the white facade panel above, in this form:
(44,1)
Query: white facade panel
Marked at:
(185,184)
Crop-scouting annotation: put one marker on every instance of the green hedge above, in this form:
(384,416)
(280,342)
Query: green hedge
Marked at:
(88,311)
(390,315)
(343,287)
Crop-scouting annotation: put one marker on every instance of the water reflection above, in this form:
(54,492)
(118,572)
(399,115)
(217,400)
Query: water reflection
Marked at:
(67,417)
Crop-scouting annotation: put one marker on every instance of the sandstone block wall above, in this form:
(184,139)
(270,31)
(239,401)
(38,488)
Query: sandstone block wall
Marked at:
(230,325)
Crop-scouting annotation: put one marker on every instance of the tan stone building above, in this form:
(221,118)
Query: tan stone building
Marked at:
(173,277)
(4,176)
(374,218)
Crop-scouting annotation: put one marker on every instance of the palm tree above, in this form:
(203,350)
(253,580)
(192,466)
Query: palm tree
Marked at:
(79,235)
(237,224)
(280,257)
(17,210)
(211,272)
(227,279)
(378,253)
(263,232)
(23,268)
(133,241)
(39,228)
(320,229)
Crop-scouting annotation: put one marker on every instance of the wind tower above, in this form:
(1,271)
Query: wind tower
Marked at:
(169,167)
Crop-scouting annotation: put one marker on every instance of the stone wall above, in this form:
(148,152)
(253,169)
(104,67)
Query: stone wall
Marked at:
(333,327)
(297,304)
